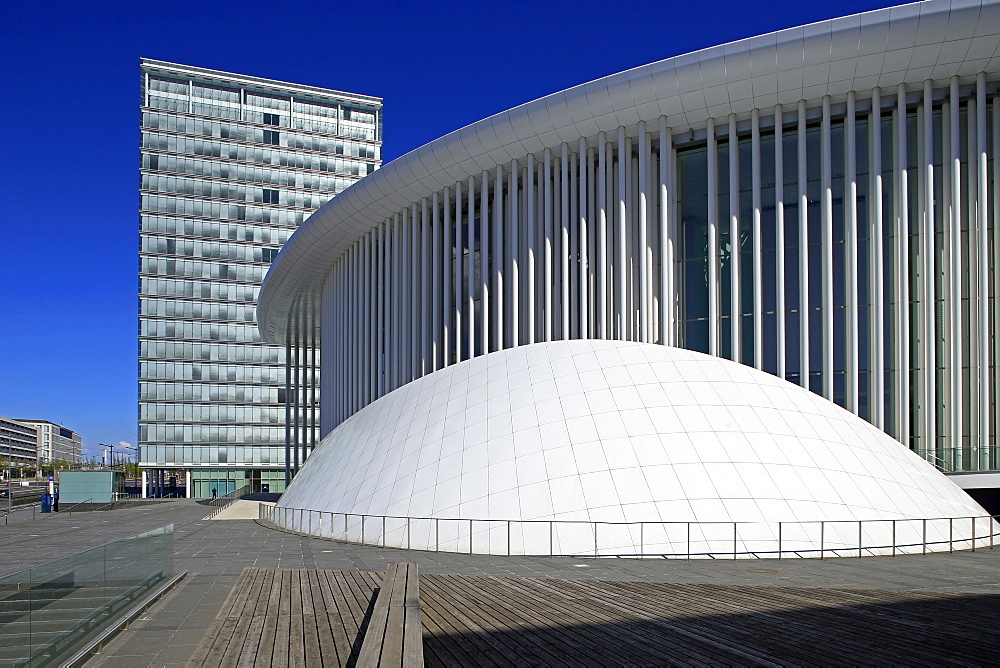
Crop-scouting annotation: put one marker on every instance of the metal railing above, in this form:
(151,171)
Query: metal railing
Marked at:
(222,502)
(963,460)
(663,540)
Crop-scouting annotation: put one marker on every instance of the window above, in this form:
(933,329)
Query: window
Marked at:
(272,119)
(270,196)
(268,254)
(271,137)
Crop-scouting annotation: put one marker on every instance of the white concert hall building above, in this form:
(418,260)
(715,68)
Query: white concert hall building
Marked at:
(751,289)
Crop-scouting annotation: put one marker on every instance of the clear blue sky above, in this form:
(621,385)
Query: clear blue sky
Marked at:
(70,82)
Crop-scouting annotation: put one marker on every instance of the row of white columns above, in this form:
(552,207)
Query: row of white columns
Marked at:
(581,241)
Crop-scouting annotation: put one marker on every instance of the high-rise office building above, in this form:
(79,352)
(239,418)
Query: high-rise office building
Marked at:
(231,165)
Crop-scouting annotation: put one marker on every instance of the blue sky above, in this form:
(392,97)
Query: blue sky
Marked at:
(69,168)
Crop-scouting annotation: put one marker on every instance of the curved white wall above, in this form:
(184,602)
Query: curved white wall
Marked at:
(601,221)
(606,431)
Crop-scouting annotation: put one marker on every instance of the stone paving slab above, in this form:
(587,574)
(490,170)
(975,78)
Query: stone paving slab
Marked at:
(215,554)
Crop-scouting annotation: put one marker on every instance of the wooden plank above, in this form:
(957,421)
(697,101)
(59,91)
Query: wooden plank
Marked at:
(413,632)
(244,617)
(296,638)
(312,652)
(344,627)
(282,631)
(323,617)
(265,648)
(371,648)
(549,636)
(554,620)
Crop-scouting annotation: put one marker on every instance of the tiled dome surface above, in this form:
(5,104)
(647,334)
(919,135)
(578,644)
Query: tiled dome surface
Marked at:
(612,431)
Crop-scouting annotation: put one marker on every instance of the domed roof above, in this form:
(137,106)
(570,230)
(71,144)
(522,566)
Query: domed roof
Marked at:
(612,431)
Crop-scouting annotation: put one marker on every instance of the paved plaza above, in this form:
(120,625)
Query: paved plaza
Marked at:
(215,552)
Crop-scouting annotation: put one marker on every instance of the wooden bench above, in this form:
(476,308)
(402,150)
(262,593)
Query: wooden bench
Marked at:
(395,634)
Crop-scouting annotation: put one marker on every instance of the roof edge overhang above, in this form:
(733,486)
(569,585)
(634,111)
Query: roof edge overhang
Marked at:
(908,43)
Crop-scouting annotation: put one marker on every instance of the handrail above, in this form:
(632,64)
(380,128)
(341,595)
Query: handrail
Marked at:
(832,539)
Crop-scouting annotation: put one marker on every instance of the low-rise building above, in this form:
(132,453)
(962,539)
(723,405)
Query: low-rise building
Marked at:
(56,442)
(18,442)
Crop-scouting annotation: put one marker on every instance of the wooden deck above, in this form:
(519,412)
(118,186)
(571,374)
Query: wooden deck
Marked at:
(287,617)
(321,618)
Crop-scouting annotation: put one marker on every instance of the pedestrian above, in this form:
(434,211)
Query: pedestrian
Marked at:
(215,493)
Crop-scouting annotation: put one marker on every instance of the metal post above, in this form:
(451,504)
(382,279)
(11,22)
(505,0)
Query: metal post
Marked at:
(550,539)
(508,538)
(779,541)
(822,527)
(470,536)
(363,529)
(734,541)
(689,541)
(859,539)
(407,533)
(973,534)
(894,538)
(437,534)
(951,535)
(383,531)
(925,537)
(595,539)
(642,540)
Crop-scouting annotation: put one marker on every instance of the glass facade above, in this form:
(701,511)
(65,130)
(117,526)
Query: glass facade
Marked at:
(230,166)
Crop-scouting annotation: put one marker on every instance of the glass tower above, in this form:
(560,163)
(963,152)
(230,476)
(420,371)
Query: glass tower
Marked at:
(230,166)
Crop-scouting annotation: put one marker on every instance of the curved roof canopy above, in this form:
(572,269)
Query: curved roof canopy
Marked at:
(909,43)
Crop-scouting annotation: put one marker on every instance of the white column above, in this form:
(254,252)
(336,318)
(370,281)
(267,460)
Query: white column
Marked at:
(459,253)
(667,325)
(971,394)
(983,291)
(735,306)
(758,243)
(529,293)
(484,262)
(407,243)
(827,250)
(515,256)
(447,267)
(396,285)
(145,485)
(928,364)
(995,223)
(436,269)
(803,248)
(955,274)
(876,383)
(547,256)
(602,237)
(385,310)
(499,263)
(582,234)
(901,287)
(424,297)
(714,320)
(470,315)
(643,208)
(779,228)
(187,485)
(564,243)
(851,383)
(367,331)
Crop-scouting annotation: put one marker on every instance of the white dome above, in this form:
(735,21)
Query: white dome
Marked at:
(618,432)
